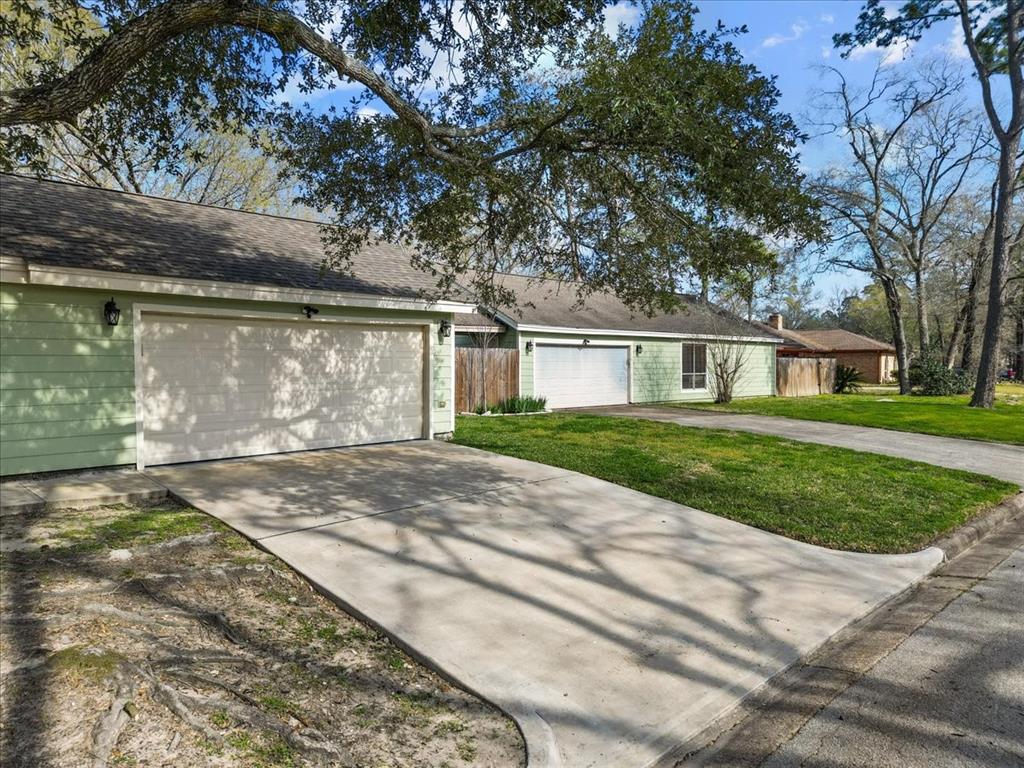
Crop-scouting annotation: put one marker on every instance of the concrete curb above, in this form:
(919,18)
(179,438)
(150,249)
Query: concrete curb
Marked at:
(39,504)
(771,716)
(968,534)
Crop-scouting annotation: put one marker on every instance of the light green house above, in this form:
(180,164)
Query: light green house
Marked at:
(140,331)
(602,353)
(143,331)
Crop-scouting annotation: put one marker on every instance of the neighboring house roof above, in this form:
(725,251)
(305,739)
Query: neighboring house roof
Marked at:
(551,303)
(68,225)
(830,340)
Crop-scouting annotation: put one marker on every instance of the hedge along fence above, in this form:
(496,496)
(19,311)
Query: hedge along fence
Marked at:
(484,377)
(804,376)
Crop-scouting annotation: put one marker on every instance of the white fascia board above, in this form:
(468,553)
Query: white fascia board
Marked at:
(13,269)
(642,334)
(506,319)
(74,277)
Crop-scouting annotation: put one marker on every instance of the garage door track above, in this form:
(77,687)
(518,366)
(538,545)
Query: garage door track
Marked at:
(613,626)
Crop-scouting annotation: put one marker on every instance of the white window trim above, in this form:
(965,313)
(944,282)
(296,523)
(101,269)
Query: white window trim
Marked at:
(682,373)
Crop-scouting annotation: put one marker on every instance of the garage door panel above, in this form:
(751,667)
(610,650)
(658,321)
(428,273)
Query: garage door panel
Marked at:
(215,388)
(184,423)
(167,447)
(578,376)
(289,405)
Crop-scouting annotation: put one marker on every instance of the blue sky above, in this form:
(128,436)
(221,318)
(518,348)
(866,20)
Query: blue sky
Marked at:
(791,40)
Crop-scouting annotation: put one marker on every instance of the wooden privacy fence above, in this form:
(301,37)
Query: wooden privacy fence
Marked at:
(484,376)
(803,376)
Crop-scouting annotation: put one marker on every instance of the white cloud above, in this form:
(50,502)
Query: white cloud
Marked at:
(621,13)
(827,18)
(293,94)
(955,46)
(892,54)
(367,112)
(826,52)
(796,32)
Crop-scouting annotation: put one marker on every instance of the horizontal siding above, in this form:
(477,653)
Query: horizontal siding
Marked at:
(53,395)
(442,384)
(44,379)
(64,461)
(67,381)
(98,440)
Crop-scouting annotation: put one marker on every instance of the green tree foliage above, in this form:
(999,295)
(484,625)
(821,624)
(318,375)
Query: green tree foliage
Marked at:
(229,168)
(519,134)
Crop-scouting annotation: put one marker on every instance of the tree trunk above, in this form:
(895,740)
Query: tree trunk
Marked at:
(899,333)
(1018,352)
(963,327)
(956,335)
(970,322)
(988,364)
(924,337)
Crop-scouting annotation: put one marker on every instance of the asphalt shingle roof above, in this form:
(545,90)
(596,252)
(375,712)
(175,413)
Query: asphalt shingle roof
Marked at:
(68,225)
(551,303)
(833,340)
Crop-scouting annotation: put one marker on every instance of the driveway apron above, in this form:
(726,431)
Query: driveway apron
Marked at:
(611,625)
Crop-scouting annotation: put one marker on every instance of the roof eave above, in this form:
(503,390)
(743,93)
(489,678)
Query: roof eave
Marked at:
(76,277)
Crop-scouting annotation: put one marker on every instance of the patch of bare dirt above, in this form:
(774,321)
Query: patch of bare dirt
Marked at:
(155,636)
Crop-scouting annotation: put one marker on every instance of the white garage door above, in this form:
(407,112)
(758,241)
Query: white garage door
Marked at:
(214,388)
(571,377)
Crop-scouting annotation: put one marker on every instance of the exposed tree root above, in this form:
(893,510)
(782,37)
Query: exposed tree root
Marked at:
(108,728)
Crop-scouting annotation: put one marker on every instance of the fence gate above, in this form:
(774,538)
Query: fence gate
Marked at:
(804,376)
(484,376)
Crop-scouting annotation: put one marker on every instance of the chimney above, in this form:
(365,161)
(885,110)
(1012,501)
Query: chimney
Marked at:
(775,321)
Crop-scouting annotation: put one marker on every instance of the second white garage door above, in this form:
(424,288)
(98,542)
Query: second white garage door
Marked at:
(214,388)
(573,377)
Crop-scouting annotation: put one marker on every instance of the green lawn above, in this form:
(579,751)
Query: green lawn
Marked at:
(828,496)
(949,416)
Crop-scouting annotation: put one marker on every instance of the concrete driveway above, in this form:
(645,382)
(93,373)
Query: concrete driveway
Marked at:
(1005,462)
(611,625)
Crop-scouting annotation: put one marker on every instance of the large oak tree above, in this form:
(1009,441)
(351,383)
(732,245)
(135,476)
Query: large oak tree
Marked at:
(504,133)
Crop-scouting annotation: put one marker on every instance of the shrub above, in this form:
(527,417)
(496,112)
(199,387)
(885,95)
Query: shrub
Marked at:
(930,376)
(848,380)
(520,405)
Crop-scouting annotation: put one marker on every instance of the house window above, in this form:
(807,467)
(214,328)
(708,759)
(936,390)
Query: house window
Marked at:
(695,366)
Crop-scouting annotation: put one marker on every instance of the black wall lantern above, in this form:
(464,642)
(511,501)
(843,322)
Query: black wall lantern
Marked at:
(445,329)
(586,342)
(309,311)
(639,348)
(111,312)
(529,346)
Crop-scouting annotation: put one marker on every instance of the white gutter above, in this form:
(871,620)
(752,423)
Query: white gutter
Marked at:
(75,277)
(645,334)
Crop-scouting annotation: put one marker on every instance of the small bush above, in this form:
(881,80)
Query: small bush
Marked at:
(520,405)
(930,376)
(848,380)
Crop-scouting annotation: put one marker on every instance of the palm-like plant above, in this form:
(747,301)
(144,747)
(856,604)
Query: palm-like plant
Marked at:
(848,380)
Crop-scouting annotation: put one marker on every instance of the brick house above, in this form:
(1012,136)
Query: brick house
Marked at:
(876,360)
